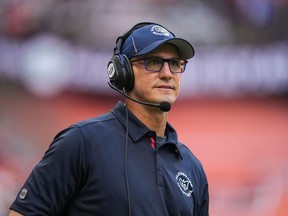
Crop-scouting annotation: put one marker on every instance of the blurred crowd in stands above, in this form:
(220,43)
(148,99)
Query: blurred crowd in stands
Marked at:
(95,23)
(45,37)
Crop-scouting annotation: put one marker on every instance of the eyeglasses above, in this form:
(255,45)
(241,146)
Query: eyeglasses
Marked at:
(155,64)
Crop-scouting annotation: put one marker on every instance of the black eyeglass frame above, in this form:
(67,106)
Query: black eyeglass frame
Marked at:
(163,61)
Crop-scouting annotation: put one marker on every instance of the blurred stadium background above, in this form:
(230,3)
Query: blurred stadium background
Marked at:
(232,111)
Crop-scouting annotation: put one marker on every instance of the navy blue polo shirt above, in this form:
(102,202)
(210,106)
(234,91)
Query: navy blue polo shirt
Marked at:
(83,172)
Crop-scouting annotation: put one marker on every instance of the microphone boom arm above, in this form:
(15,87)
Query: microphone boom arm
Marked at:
(163,106)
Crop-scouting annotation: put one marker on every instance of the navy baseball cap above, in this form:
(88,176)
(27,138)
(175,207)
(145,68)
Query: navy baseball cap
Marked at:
(145,39)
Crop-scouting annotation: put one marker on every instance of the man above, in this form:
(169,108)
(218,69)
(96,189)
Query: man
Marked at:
(128,161)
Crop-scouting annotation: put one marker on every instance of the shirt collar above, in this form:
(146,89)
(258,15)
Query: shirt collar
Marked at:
(137,129)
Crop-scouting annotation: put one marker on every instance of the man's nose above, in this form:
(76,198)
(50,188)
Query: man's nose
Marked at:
(165,70)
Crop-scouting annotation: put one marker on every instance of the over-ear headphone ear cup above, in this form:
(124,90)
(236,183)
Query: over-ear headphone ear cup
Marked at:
(121,76)
(129,74)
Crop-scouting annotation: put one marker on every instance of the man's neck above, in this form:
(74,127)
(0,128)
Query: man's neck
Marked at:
(152,117)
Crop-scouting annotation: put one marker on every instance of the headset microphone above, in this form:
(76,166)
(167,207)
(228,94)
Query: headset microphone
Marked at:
(163,106)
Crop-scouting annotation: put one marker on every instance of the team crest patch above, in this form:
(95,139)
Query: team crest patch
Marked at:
(184,184)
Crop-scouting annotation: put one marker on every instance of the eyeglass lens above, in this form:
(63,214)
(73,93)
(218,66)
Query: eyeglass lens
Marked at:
(155,64)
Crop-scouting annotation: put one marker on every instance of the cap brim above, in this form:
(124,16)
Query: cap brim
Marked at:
(186,51)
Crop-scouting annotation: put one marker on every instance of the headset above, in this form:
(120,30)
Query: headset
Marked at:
(119,68)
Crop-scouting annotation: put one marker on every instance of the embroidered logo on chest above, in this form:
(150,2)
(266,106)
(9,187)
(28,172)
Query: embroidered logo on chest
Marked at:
(184,184)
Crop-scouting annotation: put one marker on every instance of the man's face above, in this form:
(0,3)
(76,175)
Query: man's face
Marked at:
(156,87)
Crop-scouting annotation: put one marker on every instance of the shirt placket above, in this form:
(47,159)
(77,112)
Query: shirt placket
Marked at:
(159,171)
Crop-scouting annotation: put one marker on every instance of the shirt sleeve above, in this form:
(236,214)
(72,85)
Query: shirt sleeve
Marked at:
(204,207)
(56,177)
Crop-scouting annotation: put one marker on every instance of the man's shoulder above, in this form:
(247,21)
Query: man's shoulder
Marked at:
(89,124)
(96,120)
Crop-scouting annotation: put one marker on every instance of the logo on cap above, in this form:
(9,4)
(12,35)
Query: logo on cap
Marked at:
(159,30)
